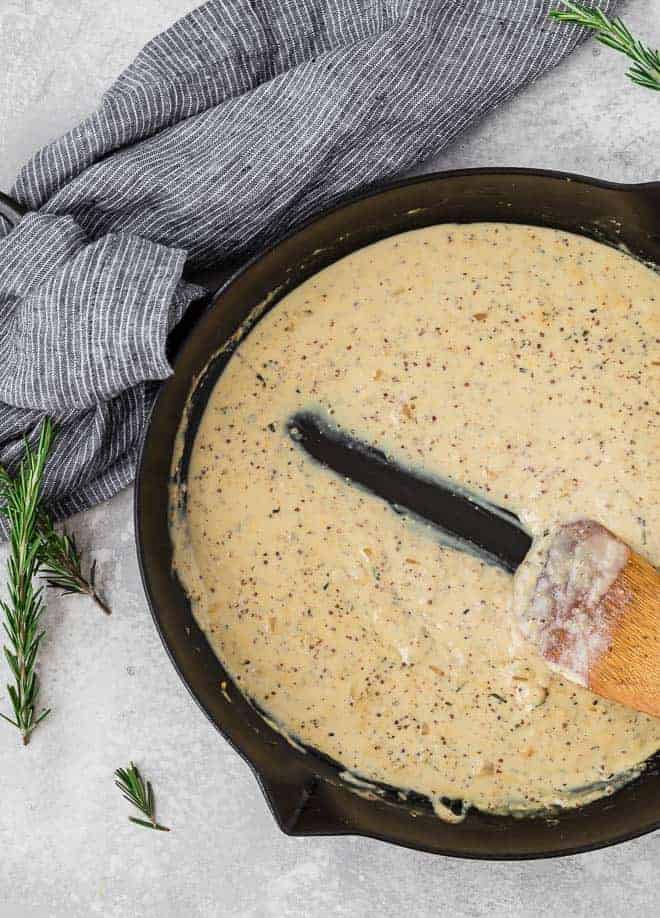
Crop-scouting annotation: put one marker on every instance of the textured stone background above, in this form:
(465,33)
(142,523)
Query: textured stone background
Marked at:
(66,847)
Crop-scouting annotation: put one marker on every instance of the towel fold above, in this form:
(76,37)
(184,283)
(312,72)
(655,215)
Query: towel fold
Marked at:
(233,126)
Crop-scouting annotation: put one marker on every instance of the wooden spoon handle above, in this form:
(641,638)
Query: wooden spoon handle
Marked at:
(629,670)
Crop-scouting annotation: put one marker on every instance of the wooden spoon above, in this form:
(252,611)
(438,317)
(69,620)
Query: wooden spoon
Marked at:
(593,611)
(594,614)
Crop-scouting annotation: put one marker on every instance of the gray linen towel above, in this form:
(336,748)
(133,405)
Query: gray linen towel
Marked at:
(234,125)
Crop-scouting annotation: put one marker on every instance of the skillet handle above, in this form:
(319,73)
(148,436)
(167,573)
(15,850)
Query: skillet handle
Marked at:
(11,210)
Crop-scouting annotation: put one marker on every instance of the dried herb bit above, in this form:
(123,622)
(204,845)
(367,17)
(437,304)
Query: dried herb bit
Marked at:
(613,33)
(497,697)
(19,498)
(140,794)
(61,565)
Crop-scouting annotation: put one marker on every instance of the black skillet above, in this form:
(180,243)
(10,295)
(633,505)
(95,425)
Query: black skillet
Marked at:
(304,789)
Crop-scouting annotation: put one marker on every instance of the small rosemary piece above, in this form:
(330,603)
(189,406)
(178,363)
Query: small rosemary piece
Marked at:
(19,498)
(60,564)
(140,794)
(613,33)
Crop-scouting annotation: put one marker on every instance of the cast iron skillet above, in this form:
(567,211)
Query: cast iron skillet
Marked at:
(303,788)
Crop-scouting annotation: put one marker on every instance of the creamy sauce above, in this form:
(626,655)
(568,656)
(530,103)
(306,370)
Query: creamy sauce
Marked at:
(517,361)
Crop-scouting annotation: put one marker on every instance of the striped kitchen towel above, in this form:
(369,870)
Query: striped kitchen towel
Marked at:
(236,124)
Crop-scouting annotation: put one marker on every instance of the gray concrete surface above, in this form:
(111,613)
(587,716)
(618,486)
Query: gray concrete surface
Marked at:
(66,847)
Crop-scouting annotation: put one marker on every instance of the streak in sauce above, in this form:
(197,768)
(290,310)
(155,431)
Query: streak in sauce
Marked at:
(517,361)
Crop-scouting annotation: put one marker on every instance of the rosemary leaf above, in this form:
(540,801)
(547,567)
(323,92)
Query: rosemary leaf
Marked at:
(61,567)
(19,500)
(140,794)
(615,34)
(147,825)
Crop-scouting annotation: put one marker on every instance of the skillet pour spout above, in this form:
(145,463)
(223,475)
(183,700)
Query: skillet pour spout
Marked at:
(308,793)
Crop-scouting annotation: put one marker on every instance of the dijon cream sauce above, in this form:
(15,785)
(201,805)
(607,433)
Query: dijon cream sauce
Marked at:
(521,362)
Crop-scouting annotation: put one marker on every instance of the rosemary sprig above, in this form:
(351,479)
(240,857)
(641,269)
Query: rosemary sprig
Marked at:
(140,794)
(61,565)
(22,613)
(613,33)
